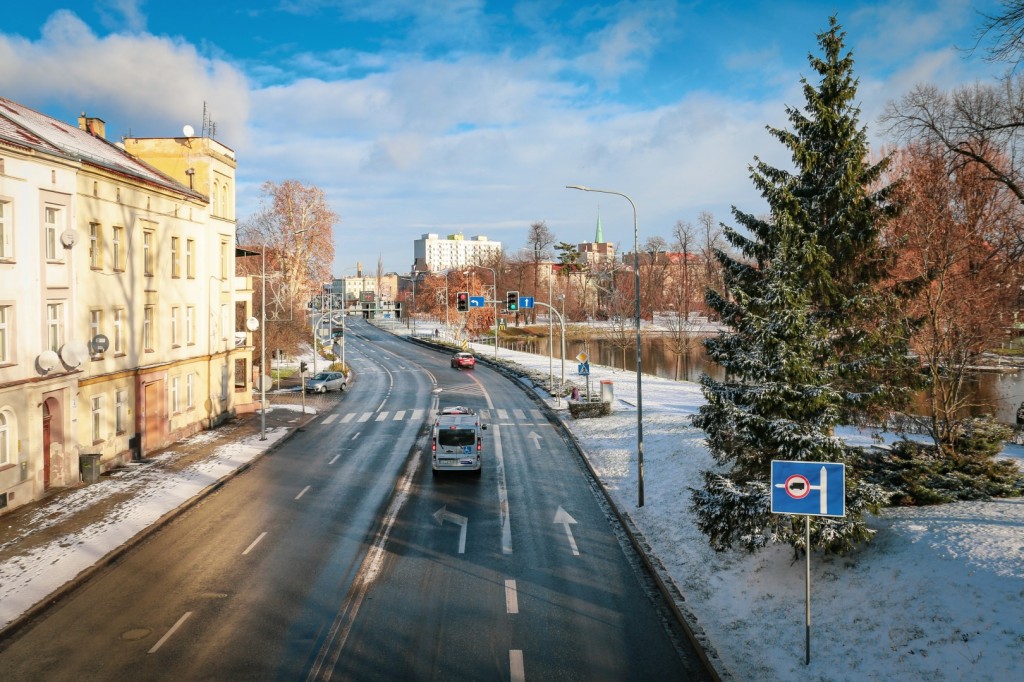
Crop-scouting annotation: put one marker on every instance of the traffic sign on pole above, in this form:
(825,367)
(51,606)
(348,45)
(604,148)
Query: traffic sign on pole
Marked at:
(477,301)
(812,488)
(526,302)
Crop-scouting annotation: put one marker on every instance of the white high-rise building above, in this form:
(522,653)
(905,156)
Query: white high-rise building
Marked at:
(435,254)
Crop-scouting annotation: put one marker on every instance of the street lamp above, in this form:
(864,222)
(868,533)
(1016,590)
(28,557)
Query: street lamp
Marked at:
(636,318)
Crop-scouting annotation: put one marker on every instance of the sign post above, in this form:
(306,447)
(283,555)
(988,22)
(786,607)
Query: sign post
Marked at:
(811,489)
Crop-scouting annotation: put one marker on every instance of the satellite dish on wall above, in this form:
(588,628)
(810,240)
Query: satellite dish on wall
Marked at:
(68,238)
(252,324)
(74,353)
(47,360)
(189,131)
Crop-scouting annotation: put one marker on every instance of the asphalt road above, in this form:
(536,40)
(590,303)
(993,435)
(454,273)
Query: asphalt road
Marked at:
(339,556)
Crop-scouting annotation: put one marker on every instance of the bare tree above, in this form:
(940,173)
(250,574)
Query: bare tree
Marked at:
(711,242)
(949,248)
(538,241)
(680,294)
(1005,33)
(977,125)
(294,225)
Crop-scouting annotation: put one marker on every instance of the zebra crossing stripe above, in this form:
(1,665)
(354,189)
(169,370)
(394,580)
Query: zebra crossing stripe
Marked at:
(348,417)
(365,417)
(519,414)
(399,415)
(502,414)
(330,418)
(381,416)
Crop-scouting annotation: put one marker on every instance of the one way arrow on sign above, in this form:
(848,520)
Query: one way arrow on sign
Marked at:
(562,517)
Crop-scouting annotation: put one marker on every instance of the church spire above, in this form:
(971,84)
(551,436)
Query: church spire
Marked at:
(599,237)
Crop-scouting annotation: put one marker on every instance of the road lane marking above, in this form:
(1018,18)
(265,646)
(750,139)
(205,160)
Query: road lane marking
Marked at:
(399,415)
(348,417)
(299,496)
(511,597)
(515,665)
(562,517)
(519,413)
(365,417)
(442,515)
(356,435)
(502,414)
(330,418)
(335,458)
(254,543)
(537,414)
(417,414)
(381,416)
(167,635)
(506,518)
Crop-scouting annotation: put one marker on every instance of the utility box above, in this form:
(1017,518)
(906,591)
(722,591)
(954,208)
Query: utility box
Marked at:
(90,467)
(607,392)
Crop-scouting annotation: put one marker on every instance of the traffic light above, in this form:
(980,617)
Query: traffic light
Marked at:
(302,367)
(512,301)
(462,301)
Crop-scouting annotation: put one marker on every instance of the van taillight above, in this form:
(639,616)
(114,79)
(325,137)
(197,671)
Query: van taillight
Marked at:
(479,444)
(433,446)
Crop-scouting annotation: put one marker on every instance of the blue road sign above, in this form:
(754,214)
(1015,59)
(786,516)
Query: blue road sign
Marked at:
(583,369)
(811,488)
(477,301)
(525,302)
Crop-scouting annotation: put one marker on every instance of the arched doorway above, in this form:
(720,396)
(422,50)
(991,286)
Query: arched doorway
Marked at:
(47,417)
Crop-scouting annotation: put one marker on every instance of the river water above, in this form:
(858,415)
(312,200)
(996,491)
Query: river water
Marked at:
(993,392)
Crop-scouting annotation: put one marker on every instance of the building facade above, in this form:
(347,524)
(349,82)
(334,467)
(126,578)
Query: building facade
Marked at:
(124,334)
(431,253)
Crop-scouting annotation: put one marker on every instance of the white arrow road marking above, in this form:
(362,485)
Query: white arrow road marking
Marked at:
(442,515)
(562,516)
(536,438)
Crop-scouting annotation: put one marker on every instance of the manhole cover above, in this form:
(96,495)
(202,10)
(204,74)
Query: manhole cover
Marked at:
(135,634)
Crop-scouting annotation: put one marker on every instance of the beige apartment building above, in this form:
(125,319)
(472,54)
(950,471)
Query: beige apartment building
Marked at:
(121,319)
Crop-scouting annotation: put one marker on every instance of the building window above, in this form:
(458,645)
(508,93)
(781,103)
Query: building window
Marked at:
(95,245)
(120,411)
(51,219)
(216,194)
(97,419)
(190,258)
(224,201)
(175,395)
(225,321)
(5,440)
(5,334)
(118,331)
(190,391)
(55,326)
(6,231)
(190,325)
(147,252)
(95,325)
(223,260)
(175,257)
(147,329)
(118,247)
(175,310)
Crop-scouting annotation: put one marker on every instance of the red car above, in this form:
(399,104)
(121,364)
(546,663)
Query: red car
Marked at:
(463,361)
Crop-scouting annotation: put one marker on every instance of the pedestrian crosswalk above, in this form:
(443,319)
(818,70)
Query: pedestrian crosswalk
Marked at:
(496,416)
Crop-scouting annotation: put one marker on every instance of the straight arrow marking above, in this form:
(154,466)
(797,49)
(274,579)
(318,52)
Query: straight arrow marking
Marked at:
(562,517)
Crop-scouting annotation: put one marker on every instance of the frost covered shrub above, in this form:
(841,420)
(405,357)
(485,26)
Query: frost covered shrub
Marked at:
(920,474)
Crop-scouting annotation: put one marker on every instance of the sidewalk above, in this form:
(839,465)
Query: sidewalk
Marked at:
(48,546)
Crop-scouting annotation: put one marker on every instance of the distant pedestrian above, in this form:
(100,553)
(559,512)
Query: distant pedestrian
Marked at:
(1020,415)
(575,393)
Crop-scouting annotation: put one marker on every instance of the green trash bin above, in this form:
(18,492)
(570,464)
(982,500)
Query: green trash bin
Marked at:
(90,467)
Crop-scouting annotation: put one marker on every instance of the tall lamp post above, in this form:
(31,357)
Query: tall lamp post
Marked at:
(494,272)
(636,319)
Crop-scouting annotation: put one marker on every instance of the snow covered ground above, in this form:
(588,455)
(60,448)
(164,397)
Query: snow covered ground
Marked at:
(938,595)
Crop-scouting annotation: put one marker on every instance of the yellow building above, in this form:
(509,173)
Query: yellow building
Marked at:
(121,319)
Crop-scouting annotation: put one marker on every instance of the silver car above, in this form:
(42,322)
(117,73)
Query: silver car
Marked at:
(327,381)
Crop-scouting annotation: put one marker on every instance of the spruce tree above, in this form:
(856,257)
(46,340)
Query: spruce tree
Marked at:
(811,340)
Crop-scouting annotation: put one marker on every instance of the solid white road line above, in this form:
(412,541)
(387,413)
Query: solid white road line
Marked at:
(170,632)
(254,543)
(299,496)
(335,458)
(511,597)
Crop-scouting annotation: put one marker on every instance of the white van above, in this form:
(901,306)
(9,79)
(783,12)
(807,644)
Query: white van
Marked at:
(457,442)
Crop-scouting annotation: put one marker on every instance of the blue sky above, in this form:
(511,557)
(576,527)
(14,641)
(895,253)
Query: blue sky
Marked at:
(471,116)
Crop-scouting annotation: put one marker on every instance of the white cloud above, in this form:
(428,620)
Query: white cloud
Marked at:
(142,82)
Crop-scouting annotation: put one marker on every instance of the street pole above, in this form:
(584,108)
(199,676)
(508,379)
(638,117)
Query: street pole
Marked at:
(636,317)
(263,347)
